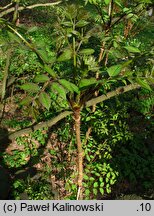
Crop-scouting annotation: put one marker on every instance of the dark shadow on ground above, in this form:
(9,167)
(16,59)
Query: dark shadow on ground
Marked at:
(4,173)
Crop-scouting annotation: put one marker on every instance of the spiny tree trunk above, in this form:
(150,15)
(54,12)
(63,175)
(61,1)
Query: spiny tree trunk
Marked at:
(77,119)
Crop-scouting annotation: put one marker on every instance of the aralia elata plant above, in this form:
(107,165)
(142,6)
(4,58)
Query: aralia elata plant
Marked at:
(86,69)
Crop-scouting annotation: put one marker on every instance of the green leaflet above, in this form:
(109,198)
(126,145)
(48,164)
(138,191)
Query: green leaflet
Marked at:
(95,191)
(87,192)
(86,177)
(132,49)
(127,10)
(75,33)
(114,70)
(87,51)
(82,23)
(108,175)
(125,64)
(59,89)
(87,82)
(45,100)
(68,85)
(30,87)
(67,24)
(95,184)
(102,184)
(143,83)
(50,71)
(112,181)
(101,191)
(26,101)
(66,55)
(130,15)
(118,2)
(43,54)
(108,190)
(41,78)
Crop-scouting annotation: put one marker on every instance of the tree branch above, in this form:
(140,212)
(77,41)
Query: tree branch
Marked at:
(5,7)
(3,13)
(116,92)
(62,115)
(41,125)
